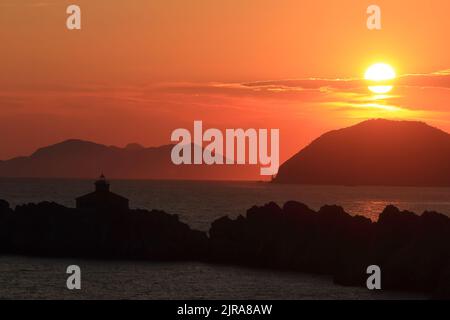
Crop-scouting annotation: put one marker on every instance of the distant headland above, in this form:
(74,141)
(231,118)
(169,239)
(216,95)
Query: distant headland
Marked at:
(374,152)
(78,159)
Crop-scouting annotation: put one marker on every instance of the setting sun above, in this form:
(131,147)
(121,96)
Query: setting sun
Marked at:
(380,73)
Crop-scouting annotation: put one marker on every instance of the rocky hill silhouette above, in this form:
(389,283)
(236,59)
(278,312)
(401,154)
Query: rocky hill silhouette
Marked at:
(373,152)
(84,159)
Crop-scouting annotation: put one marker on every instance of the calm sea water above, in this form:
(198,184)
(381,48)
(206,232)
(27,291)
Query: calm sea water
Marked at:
(32,278)
(198,204)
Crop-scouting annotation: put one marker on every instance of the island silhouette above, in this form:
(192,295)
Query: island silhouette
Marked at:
(79,159)
(374,152)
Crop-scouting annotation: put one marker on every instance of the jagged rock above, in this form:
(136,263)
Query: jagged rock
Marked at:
(412,251)
(442,291)
(49,229)
(4,231)
(4,206)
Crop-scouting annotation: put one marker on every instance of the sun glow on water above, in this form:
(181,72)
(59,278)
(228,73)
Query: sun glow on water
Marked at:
(380,89)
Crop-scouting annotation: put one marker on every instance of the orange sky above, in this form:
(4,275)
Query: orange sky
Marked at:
(139,69)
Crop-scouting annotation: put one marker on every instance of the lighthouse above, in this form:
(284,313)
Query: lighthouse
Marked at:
(102,198)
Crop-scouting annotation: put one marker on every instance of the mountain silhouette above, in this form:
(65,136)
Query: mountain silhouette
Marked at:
(83,159)
(373,152)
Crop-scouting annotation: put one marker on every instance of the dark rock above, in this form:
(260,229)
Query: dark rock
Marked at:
(412,251)
(5,213)
(4,206)
(442,291)
(49,229)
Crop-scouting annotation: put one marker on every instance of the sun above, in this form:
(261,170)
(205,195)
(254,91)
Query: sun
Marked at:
(380,74)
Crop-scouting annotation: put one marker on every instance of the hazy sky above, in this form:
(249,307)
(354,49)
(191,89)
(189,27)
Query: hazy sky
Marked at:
(139,69)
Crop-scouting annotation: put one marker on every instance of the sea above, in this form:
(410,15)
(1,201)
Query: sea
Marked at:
(198,203)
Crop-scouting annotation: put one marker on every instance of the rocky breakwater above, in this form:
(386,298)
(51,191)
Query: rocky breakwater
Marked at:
(50,229)
(412,251)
